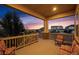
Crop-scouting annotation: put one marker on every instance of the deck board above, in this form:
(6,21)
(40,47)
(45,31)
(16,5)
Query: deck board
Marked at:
(42,47)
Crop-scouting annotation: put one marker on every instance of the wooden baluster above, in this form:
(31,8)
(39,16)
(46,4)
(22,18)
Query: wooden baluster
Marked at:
(35,37)
(30,38)
(15,42)
(27,39)
(21,41)
(10,43)
(18,41)
(24,40)
(6,43)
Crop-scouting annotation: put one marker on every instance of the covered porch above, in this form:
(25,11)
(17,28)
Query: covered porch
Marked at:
(33,44)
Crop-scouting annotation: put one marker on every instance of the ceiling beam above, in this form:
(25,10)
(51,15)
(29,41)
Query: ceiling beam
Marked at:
(62,15)
(26,10)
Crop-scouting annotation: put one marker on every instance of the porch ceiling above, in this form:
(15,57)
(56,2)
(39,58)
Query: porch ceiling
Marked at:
(46,10)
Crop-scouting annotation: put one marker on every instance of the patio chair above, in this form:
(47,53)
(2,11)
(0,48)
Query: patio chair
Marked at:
(68,39)
(59,39)
(4,50)
(69,50)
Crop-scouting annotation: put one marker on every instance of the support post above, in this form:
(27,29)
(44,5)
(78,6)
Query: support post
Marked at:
(46,34)
(46,26)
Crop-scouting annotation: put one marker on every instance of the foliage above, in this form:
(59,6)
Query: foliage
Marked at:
(12,24)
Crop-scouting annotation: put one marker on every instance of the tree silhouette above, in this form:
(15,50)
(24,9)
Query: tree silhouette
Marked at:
(12,24)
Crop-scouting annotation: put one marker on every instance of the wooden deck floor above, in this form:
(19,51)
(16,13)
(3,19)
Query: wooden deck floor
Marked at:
(42,47)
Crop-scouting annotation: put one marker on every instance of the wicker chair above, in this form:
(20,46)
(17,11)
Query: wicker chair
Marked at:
(59,39)
(4,50)
(69,50)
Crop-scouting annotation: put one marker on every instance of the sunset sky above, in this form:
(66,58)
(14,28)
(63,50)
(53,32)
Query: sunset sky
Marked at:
(62,22)
(34,23)
(31,22)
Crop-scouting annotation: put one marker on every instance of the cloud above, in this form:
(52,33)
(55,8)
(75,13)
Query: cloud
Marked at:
(33,26)
(62,22)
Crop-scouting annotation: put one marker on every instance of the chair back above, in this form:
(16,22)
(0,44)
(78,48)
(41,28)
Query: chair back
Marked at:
(60,37)
(75,47)
(2,46)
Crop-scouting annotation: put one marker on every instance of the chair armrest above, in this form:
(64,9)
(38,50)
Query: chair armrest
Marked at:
(66,48)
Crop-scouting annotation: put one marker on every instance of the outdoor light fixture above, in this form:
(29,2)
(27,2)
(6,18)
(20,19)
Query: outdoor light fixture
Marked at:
(54,9)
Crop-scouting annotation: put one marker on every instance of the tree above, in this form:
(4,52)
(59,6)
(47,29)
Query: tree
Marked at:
(12,24)
(19,29)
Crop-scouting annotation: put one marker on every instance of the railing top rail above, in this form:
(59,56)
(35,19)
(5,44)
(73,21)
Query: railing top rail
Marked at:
(15,37)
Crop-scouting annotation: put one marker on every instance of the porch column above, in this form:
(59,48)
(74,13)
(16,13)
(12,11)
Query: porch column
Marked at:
(76,34)
(46,26)
(78,20)
(46,31)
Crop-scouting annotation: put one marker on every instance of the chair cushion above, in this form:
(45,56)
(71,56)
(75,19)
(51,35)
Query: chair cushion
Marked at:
(65,49)
(2,45)
(75,50)
(4,49)
(63,52)
(60,37)
(9,50)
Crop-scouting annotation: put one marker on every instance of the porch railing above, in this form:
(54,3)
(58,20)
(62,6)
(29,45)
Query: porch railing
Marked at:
(20,41)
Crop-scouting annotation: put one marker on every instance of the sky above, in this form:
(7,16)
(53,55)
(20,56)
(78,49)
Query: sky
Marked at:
(31,22)
(66,21)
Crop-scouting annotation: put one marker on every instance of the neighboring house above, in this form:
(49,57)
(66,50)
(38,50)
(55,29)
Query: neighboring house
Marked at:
(69,29)
(57,29)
